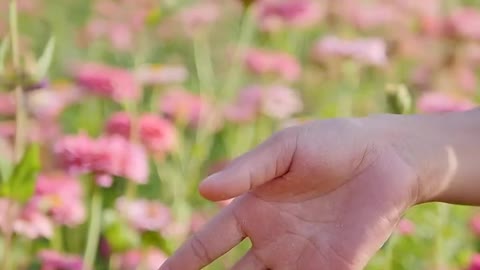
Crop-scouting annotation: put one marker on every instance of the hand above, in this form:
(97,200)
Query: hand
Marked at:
(325,195)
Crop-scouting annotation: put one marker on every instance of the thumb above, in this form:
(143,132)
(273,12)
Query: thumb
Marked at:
(268,161)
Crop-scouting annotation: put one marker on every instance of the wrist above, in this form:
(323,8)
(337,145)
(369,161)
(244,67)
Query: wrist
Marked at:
(443,151)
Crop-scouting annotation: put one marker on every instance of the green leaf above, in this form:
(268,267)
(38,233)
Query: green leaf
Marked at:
(399,99)
(21,184)
(119,235)
(3,53)
(150,238)
(45,60)
(6,164)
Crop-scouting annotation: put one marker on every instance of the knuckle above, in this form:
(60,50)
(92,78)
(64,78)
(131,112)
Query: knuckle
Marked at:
(199,249)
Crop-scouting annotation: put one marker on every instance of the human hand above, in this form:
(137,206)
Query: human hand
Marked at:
(325,195)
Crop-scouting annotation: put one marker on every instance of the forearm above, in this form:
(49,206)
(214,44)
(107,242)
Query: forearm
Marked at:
(445,150)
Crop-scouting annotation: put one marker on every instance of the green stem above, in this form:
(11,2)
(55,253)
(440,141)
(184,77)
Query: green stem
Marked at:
(131,189)
(20,116)
(93,229)
(57,239)
(8,237)
(247,31)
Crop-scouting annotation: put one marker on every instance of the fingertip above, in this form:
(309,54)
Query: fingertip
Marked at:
(208,188)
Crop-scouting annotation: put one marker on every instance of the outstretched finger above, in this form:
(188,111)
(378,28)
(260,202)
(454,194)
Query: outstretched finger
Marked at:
(268,161)
(217,237)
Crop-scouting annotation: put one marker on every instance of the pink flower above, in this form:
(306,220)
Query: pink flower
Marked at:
(281,102)
(263,62)
(465,78)
(118,22)
(475,225)
(143,214)
(7,129)
(475,264)
(157,134)
(275,101)
(432,102)
(374,16)
(198,17)
(48,104)
(7,104)
(53,260)
(247,106)
(121,37)
(277,14)
(103,157)
(369,51)
(61,197)
(406,227)
(185,107)
(10,210)
(33,224)
(149,259)
(464,23)
(159,75)
(115,83)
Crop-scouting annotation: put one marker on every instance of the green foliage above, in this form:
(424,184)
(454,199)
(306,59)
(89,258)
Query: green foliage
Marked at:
(21,183)
(3,53)
(45,60)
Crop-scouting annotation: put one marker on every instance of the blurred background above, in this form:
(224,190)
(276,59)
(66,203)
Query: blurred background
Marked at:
(112,111)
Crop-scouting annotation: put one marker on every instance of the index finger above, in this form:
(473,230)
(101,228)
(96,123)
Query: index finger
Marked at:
(216,238)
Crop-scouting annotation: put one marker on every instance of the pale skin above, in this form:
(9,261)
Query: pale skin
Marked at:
(328,194)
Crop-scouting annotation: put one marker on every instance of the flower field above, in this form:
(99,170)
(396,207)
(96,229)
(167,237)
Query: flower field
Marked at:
(113,111)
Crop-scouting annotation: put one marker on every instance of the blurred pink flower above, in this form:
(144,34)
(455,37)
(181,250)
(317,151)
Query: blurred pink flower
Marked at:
(48,104)
(121,37)
(148,259)
(264,62)
(118,22)
(246,107)
(433,26)
(159,75)
(275,15)
(7,129)
(10,210)
(464,23)
(116,83)
(7,104)
(157,134)
(374,15)
(61,196)
(199,16)
(281,102)
(370,51)
(185,107)
(432,102)
(274,101)
(143,214)
(53,260)
(33,224)
(419,8)
(475,225)
(406,227)
(475,264)
(103,157)
(465,78)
